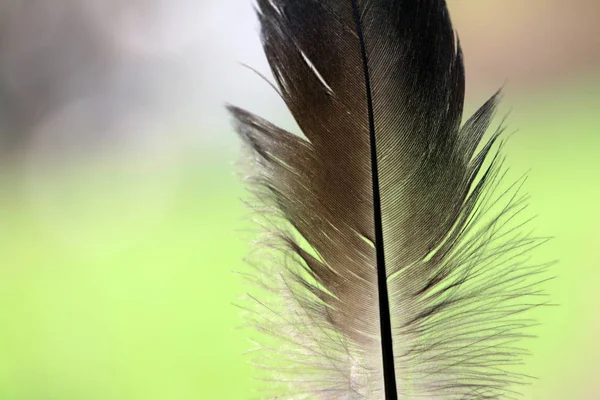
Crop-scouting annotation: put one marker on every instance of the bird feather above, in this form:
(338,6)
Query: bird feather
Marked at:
(389,268)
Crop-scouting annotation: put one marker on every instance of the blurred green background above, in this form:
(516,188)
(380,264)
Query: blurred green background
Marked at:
(116,255)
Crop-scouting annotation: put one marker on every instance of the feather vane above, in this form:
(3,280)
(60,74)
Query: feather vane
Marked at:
(395,273)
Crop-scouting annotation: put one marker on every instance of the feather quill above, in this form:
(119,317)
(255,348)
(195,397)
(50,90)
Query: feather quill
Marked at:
(391,271)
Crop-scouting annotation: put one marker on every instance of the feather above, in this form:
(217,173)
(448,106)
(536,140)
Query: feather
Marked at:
(390,270)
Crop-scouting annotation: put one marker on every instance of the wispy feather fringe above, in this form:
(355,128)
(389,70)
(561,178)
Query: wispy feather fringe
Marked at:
(466,342)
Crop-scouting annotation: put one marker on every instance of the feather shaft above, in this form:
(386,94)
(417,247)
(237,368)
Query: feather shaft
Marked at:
(387,347)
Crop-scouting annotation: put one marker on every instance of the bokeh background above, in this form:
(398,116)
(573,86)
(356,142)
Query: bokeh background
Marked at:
(120,212)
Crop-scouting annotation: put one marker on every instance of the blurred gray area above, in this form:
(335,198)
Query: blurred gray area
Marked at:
(77,74)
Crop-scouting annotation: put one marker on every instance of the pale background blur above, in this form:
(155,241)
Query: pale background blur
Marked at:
(120,213)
